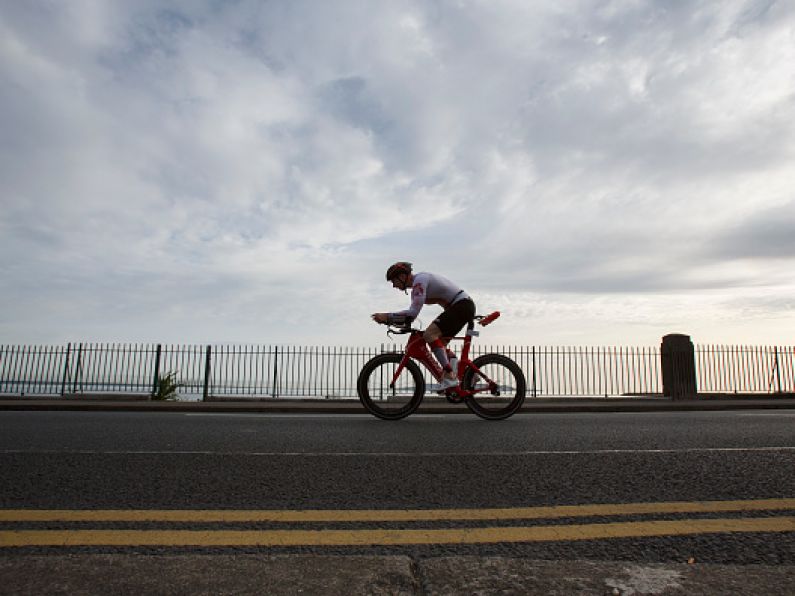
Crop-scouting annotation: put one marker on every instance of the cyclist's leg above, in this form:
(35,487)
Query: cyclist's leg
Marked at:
(445,326)
(433,336)
(432,333)
(450,322)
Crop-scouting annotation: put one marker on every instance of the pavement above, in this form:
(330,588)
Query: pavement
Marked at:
(430,405)
(318,574)
(255,573)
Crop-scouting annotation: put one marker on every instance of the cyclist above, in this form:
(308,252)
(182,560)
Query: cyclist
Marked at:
(431,288)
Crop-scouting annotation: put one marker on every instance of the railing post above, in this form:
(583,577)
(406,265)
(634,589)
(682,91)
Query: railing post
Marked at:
(206,392)
(78,370)
(778,371)
(534,372)
(66,368)
(156,379)
(275,371)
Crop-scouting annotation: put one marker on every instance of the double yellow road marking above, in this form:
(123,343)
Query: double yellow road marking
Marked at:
(273,538)
(364,537)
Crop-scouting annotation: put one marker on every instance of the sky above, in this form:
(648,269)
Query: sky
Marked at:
(602,172)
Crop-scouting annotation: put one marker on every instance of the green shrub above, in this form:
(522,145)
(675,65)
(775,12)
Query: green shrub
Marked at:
(167,387)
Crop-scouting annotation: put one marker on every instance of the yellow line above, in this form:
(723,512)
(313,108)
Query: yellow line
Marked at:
(277,538)
(386,515)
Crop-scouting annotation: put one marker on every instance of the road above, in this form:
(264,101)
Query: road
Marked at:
(651,490)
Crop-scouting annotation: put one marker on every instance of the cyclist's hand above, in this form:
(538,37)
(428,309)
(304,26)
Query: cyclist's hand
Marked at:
(381,317)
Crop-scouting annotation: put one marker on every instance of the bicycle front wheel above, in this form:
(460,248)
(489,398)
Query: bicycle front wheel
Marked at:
(499,387)
(384,399)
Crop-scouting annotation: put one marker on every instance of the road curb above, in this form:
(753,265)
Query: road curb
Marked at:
(429,406)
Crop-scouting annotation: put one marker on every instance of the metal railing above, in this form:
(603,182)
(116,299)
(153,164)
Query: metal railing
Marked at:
(745,369)
(331,372)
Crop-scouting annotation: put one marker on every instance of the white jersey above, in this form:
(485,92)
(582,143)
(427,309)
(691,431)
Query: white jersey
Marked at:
(430,288)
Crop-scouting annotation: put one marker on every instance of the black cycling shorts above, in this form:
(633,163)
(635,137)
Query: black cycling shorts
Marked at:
(453,319)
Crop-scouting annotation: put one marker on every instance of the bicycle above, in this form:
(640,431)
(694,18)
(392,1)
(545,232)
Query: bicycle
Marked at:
(391,386)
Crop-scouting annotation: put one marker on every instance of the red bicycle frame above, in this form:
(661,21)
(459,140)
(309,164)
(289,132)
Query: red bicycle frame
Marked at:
(418,349)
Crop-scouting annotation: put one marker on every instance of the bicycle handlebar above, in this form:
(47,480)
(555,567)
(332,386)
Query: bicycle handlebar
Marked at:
(395,330)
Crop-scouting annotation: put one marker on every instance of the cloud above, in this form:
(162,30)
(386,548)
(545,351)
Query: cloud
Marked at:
(206,169)
(766,234)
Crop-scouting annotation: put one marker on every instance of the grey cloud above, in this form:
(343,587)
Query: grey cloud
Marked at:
(350,100)
(767,234)
(759,12)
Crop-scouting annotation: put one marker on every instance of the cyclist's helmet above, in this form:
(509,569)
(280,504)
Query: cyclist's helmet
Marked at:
(397,269)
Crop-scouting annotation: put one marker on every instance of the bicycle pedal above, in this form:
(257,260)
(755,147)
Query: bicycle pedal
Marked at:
(453,397)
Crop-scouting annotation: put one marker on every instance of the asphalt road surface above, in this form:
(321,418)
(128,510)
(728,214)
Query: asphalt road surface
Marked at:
(414,506)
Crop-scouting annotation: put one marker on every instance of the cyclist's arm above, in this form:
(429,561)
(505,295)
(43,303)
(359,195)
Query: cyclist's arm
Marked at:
(418,293)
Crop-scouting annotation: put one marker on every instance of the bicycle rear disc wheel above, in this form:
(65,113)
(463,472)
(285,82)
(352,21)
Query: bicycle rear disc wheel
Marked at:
(501,393)
(390,402)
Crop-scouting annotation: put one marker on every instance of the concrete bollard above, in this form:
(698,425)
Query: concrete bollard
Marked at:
(678,366)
